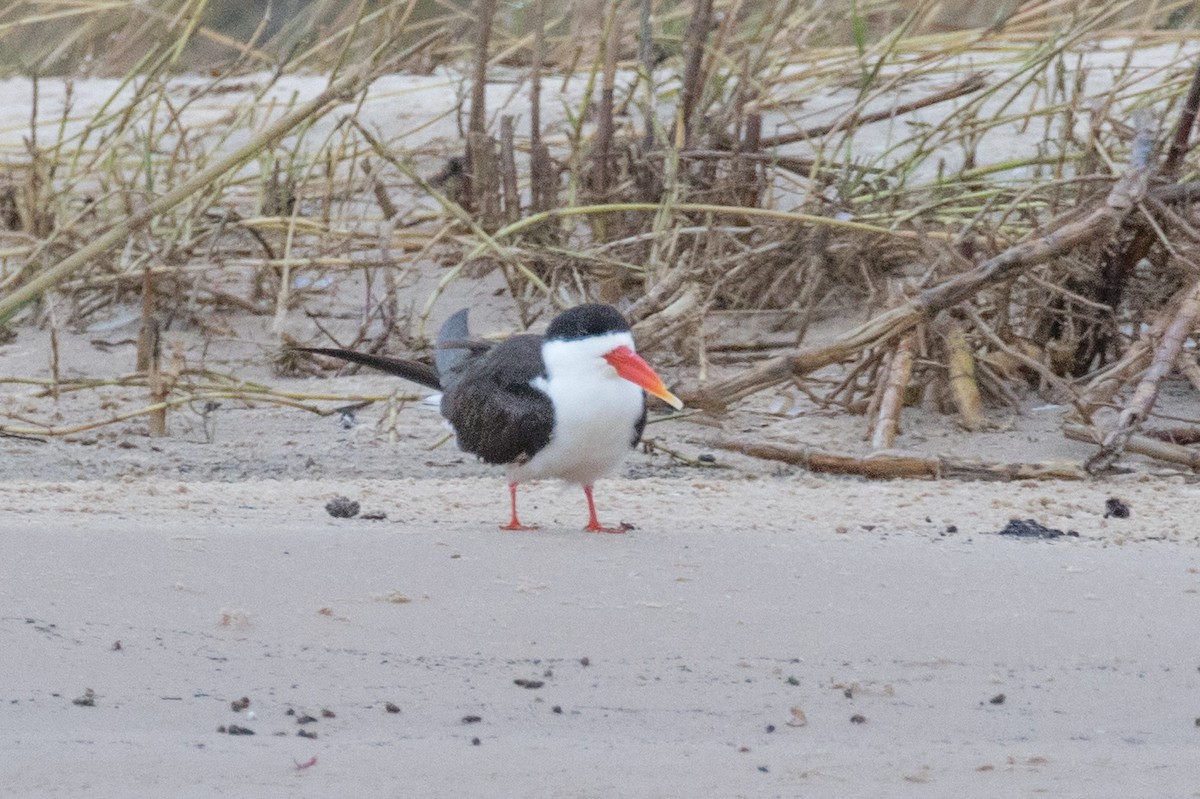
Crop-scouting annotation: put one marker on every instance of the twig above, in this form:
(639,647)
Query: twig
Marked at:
(968,85)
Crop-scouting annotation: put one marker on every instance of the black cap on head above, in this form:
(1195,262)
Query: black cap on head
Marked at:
(584,321)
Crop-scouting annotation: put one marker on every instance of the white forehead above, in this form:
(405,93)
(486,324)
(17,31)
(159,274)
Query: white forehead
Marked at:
(565,356)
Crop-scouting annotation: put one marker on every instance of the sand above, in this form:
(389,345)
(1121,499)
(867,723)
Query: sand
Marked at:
(778,636)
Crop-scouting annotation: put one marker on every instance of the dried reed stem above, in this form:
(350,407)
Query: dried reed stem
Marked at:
(887,423)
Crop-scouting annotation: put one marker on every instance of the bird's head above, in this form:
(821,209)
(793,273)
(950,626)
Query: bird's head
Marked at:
(578,337)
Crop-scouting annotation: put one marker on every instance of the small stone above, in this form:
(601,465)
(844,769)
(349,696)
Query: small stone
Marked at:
(391,707)
(998,699)
(858,718)
(342,508)
(1116,508)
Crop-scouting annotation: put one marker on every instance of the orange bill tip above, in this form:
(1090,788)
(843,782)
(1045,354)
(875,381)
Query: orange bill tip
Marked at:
(633,368)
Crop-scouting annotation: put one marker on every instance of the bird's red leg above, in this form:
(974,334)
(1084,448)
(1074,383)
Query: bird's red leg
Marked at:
(515,524)
(594,525)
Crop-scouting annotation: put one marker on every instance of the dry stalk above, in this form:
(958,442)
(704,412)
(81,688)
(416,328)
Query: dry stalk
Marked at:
(961,376)
(899,371)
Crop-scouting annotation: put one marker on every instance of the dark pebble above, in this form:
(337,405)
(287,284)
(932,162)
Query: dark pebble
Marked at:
(529,684)
(557,709)
(342,508)
(238,705)
(234,729)
(770,728)
(474,742)
(471,719)
(858,718)
(706,458)
(998,699)
(327,713)
(306,734)
(391,707)
(1115,508)
(374,516)
(305,719)
(1029,528)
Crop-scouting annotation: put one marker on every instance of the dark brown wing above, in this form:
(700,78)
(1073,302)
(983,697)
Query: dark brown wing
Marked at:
(495,412)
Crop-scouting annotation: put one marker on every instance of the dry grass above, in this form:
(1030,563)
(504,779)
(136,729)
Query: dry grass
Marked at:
(723,161)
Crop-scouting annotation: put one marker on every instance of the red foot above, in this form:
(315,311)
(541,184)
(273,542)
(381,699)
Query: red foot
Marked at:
(518,527)
(596,527)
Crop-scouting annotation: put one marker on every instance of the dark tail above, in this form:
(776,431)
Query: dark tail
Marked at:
(415,371)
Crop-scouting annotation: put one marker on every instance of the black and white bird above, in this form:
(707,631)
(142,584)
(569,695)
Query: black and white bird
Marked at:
(569,404)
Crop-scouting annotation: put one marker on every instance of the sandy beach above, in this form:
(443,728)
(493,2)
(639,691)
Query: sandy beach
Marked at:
(752,637)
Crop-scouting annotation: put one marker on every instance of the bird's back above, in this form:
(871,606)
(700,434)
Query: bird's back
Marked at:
(488,396)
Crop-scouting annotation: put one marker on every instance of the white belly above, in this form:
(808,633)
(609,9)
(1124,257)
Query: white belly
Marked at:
(593,429)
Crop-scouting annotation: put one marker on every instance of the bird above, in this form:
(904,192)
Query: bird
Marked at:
(569,404)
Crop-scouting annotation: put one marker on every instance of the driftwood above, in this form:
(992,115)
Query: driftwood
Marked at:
(1064,234)
(887,466)
(1140,444)
(1166,353)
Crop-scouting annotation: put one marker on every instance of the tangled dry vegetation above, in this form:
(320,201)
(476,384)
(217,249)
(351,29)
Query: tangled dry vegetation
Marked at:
(1025,222)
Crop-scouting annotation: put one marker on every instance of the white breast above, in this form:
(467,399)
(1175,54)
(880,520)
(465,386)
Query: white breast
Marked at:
(595,411)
